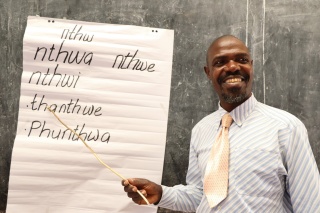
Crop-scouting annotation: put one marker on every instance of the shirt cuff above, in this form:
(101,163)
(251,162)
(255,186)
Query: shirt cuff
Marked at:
(168,198)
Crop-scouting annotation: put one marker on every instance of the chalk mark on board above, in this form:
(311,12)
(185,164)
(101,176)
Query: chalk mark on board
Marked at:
(263,59)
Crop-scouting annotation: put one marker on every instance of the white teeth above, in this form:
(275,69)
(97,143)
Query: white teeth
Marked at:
(233,80)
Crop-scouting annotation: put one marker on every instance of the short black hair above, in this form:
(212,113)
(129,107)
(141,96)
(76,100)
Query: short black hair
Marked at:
(217,39)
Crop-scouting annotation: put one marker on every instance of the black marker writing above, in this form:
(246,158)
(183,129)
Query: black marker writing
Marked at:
(64,55)
(54,78)
(130,62)
(75,34)
(73,106)
(38,128)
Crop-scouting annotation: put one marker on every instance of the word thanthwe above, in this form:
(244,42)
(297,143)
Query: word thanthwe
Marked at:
(39,128)
(72,107)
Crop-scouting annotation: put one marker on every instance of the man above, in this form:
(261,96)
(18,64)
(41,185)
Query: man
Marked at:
(271,165)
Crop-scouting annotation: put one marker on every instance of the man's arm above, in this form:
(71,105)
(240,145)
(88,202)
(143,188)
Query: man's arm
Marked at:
(303,181)
(185,198)
(180,197)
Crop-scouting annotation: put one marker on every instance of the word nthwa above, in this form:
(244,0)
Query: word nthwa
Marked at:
(72,106)
(75,34)
(66,56)
(38,128)
(130,62)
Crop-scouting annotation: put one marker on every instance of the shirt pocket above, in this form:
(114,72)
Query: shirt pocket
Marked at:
(256,172)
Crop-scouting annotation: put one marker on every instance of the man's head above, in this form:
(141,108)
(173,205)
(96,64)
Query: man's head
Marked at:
(229,67)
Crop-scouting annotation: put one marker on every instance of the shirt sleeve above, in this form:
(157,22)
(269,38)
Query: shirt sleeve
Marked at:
(185,197)
(303,180)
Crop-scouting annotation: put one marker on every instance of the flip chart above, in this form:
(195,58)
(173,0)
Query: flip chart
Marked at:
(111,85)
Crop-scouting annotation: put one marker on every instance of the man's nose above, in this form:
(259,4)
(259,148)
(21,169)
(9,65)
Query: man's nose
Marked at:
(231,66)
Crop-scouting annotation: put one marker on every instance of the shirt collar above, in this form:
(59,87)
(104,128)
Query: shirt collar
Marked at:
(241,112)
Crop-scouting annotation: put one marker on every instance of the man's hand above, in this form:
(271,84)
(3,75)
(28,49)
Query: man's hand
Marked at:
(150,190)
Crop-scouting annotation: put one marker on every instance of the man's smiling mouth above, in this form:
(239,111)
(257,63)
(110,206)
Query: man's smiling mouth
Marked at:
(233,80)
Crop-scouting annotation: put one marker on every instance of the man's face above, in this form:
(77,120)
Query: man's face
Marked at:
(229,67)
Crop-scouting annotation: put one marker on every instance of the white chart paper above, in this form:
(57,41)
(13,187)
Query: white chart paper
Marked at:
(111,84)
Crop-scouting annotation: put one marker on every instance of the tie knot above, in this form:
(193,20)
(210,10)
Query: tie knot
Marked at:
(226,120)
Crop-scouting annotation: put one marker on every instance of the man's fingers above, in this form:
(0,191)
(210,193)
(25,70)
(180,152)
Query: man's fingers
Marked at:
(143,192)
(125,182)
(139,200)
(139,182)
(130,188)
(132,184)
(135,194)
(146,187)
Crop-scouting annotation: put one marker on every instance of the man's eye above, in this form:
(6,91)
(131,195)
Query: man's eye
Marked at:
(218,63)
(243,60)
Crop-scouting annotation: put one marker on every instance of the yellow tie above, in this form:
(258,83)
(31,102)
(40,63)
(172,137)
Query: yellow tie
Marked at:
(217,171)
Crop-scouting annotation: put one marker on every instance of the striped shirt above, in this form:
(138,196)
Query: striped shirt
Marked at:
(272,167)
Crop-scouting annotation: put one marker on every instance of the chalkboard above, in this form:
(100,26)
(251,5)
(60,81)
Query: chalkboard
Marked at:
(284,39)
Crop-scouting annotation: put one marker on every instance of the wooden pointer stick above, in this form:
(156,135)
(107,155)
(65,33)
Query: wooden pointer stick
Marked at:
(91,150)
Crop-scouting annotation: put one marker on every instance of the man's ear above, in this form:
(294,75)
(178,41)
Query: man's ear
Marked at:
(207,71)
(252,66)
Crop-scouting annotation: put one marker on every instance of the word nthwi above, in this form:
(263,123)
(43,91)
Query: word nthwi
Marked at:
(54,78)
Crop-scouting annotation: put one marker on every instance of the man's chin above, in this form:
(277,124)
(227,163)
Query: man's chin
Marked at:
(234,99)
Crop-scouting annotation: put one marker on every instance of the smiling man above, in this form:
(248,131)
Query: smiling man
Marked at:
(229,67)
(261,161)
